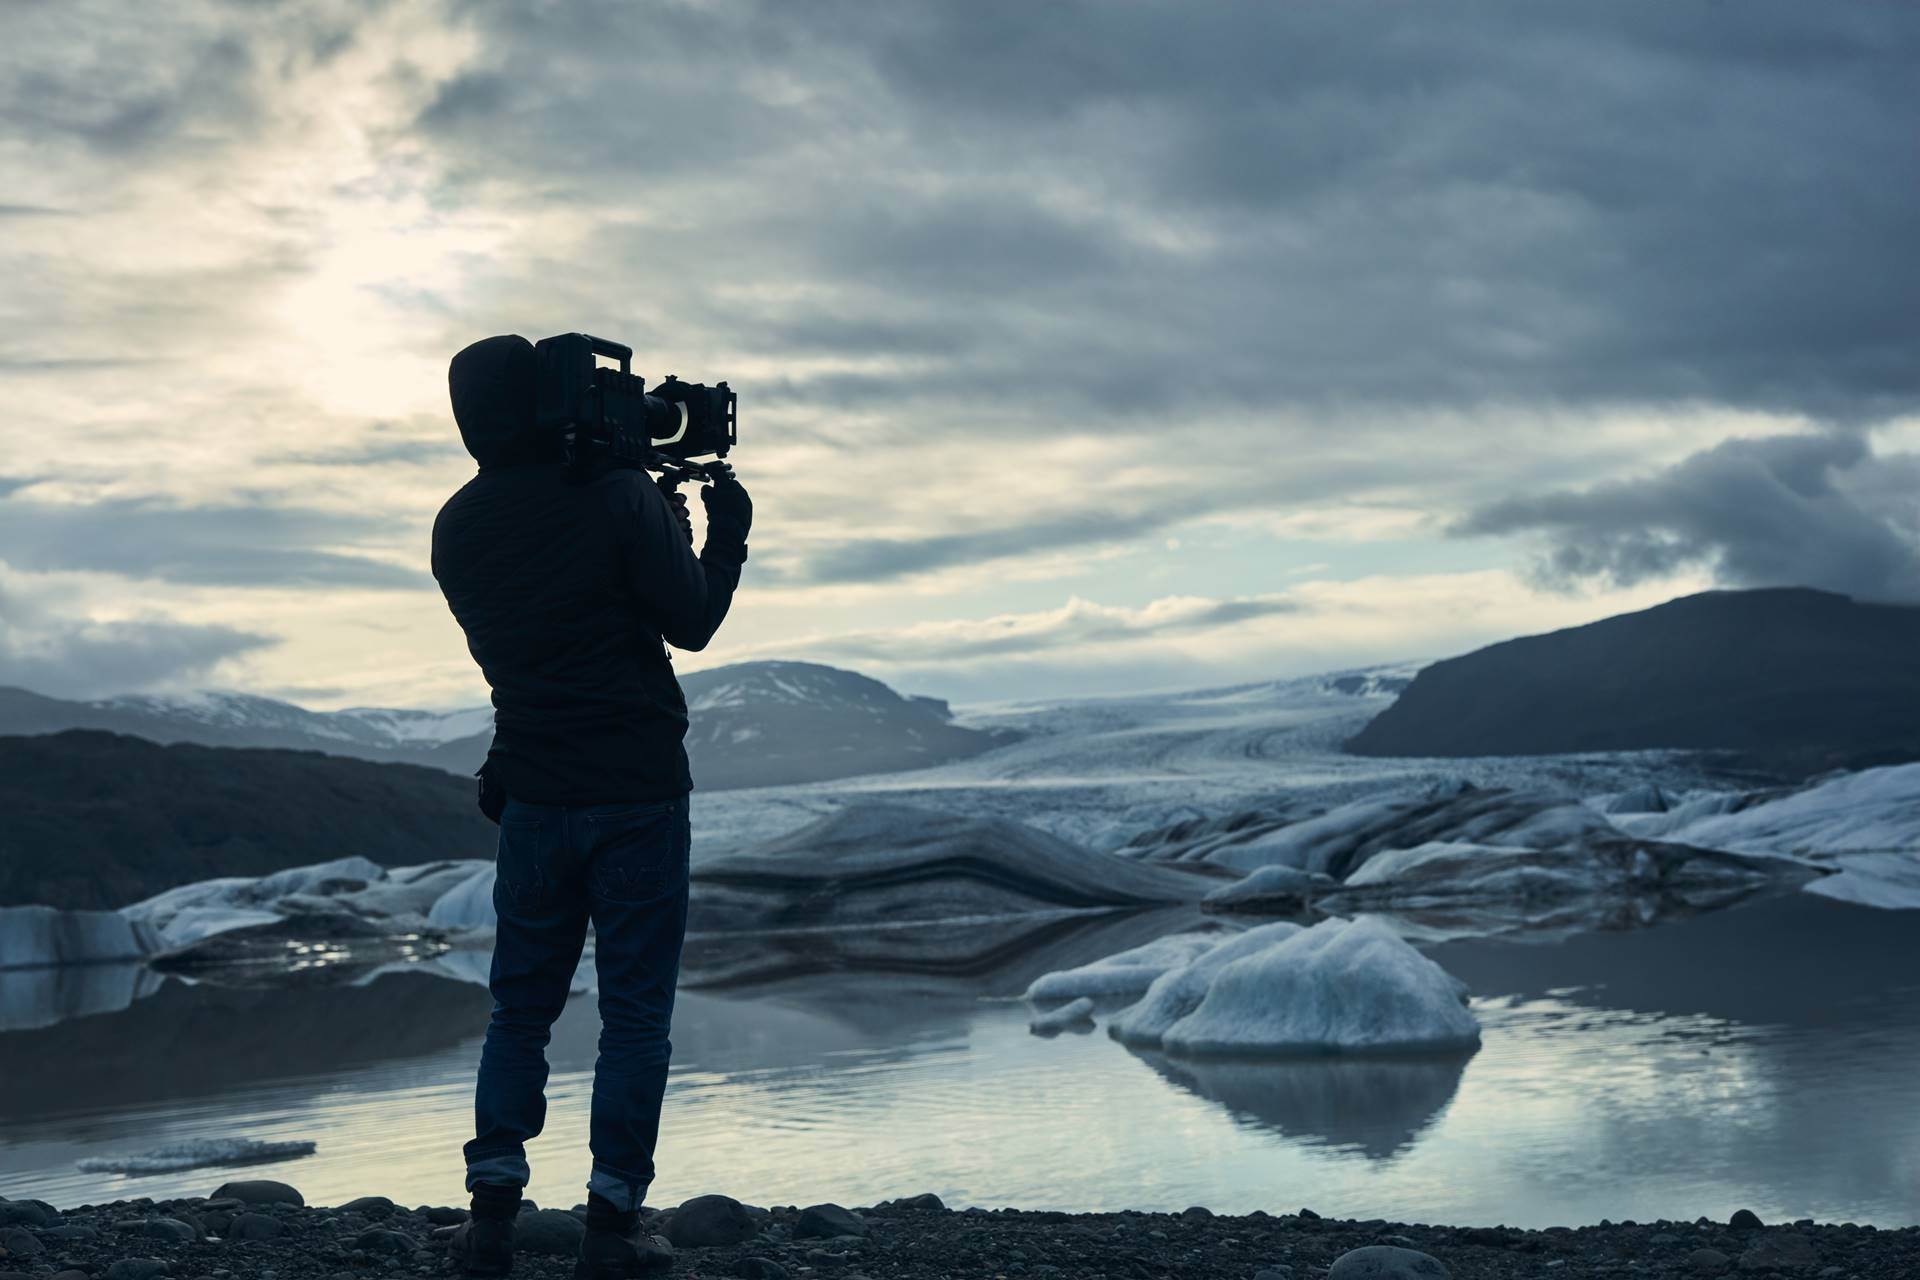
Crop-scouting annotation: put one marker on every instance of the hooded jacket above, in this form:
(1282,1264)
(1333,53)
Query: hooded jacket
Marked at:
(566,589)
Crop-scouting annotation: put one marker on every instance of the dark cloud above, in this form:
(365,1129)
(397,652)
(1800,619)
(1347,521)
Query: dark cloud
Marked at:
(1086,205)
(1811,510)
(248,546)
(70,658)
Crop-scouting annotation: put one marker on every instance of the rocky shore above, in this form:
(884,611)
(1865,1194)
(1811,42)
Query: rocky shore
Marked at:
(259,1230)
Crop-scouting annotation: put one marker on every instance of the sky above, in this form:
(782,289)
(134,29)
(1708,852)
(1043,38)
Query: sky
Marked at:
(1081,347)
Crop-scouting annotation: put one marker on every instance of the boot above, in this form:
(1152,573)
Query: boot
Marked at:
(483,1244)
(615,1248)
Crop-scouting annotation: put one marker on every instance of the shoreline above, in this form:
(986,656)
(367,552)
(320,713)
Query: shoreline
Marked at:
(261,1230)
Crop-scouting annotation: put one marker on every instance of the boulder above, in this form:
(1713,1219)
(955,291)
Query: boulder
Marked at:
(1387,1262)
(372,1206)
(259,1191)
(553,1232)
(255,1226)
(824,1221)
(20,1242)
(706,1221)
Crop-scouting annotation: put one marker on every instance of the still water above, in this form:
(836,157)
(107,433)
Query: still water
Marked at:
(1762,1057)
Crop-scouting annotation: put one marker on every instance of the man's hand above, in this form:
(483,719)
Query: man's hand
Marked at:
(677,503)
(727,503)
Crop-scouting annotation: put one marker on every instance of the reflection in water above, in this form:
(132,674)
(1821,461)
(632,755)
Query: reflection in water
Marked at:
(1376,1106)
(1758,1057)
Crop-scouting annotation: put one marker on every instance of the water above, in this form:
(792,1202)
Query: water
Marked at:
(1758,1057)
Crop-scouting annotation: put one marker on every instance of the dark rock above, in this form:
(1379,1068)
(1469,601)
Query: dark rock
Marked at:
(158,1229)
(26,1213)
(706,1221)
(1196,1213)
(925,1202)
(444,1216)
(74,1234)
(255,1226)
(259,1191)
(383,1240)
(1386,1262)
(1709,1262)
(372,1206)
(136,1269)
(1309,1215)
(759,1269)
(70,1275)
(554,1232)
(824,1221)
(1745,1220)
(1274,1271)
(1781,1251)
(20,1242)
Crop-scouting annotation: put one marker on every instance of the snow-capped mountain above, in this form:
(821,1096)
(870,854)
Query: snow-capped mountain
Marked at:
(763,723)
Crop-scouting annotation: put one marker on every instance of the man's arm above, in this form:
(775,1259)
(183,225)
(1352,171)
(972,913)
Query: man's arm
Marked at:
(684,596)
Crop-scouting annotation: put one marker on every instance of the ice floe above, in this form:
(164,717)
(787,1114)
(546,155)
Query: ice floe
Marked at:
(1075,1014)
(35,936)
(198,1153)
(1123,973)
(1340,987)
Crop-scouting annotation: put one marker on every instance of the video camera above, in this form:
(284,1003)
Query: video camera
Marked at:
(607,418)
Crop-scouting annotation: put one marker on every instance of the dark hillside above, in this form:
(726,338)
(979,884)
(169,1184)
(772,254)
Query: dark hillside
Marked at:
(99,819)
(1780,674)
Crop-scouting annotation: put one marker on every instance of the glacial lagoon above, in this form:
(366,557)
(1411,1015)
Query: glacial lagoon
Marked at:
(1759,1056)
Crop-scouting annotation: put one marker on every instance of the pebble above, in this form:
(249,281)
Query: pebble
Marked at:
(136,1269)
(754,1268)
(444,1215)
(707,1221)
(372,1206)
(158,1229)
(382,1240)
(1782,1251)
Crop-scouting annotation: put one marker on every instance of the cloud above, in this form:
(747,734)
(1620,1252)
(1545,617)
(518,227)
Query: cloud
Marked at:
(237,546)
(73,657)
(1805,510)
(1075,625)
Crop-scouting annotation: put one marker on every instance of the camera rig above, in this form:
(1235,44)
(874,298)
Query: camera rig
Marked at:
(607,418)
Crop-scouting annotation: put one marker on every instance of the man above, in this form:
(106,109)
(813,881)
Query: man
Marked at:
(567,588)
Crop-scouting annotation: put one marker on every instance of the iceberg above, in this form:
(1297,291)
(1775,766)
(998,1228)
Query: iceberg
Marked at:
(1179,991)
(1340,987)
(198,1153)
(466,906)
(36,936)
(1270,889)
(1872,811)
(1124,973)
(1073,1014)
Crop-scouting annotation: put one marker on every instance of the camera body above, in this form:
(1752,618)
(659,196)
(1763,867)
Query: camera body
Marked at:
(606,418)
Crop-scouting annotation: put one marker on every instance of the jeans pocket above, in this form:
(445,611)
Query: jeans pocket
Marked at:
(639,853)
(520,881)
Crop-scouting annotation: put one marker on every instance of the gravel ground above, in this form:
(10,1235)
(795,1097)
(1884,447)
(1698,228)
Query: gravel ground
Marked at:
(260,1231)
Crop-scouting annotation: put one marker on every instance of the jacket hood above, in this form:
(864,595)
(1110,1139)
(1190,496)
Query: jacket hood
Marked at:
(492,384)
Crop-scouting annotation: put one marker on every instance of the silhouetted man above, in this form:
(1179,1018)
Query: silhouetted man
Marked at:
(566,588)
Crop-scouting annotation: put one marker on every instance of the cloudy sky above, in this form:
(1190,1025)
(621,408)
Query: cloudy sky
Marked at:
(1081,346)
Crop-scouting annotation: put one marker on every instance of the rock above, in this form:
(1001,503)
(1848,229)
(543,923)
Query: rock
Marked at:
(255,1226)
(259,1191)
(1709,1262)
(383,1240)
(372,1206)
(20,1242)
(1745,1220)
(926,1201)
(158,1229)
(444,1215)
(1278,1271)
(26,1213)
(1782,1251)
(1196,1213)
(136,1269)
(824,1221)
(554,1232)
(70,1275)
(75,1234)
(1386,1262)
(705,1221)
(759,1269)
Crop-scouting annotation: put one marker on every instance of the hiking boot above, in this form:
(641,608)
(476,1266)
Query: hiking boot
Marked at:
(483,1246)
(616,1255)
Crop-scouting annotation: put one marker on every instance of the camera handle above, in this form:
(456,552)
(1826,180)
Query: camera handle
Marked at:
(674,472)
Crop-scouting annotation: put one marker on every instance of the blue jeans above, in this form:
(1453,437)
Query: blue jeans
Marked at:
(624,867)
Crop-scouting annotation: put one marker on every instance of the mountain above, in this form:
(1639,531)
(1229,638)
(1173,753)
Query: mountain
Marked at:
(759,724)
(753,724)
(1795,678)
(97,820)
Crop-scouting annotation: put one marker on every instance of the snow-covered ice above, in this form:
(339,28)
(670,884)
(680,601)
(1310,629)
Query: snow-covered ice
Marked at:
(1270,888)
(1074,1013)
(1339,987)
(1179,991)
(1124,973)
(1873,811)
